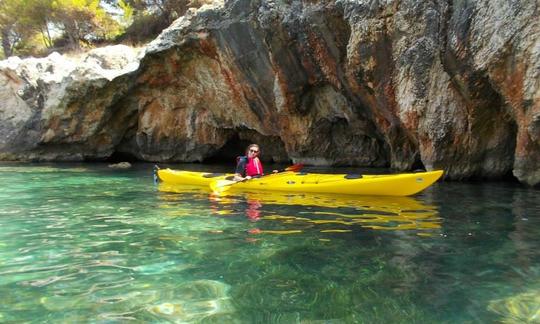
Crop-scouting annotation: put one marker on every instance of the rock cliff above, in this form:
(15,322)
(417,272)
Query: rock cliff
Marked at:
(441,84)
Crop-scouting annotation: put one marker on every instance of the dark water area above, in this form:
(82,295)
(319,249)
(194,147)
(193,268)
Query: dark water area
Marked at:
(86,243)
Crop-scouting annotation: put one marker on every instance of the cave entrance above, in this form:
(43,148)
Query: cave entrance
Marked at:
(117,157)
(418,165)
(272,148)
(234,147)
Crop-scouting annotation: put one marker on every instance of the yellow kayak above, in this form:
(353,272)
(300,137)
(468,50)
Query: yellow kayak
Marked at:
(404,184)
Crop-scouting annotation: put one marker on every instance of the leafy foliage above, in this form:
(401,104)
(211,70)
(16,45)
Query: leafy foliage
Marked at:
(150,17)
(83,21)
(31,26)
(34,27)
(18,23)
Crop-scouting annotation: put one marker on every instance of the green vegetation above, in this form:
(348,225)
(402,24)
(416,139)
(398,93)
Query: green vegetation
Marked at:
(145,19)
(38,27)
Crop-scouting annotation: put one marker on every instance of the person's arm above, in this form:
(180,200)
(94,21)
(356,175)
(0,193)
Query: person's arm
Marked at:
(240,169)
(238,177)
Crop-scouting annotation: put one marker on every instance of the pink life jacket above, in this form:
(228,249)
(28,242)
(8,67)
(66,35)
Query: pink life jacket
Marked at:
(254,167)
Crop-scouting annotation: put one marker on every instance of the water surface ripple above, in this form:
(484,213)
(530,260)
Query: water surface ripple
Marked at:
(84,243)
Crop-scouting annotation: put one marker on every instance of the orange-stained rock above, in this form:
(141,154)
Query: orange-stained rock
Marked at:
(440,84)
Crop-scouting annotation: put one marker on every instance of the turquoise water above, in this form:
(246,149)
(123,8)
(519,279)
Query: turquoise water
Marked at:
(84,243)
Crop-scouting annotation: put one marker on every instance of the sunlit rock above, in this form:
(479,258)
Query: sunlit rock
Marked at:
(452,86)
(63,108)
(121,165)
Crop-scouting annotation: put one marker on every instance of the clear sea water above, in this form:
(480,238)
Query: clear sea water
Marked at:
(86,243)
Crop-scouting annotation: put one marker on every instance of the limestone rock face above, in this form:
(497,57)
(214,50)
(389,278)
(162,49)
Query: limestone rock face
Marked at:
(441,84)
(63,109)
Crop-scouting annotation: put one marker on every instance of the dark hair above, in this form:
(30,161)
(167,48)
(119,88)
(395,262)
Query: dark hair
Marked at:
(250,146)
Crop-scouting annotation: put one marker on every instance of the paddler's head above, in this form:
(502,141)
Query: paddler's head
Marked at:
(253,150)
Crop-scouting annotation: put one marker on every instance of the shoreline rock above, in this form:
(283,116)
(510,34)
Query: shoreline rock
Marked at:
(120,165)
(441,85)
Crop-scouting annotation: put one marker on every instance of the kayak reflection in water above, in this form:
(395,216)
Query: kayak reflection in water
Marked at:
(249,166)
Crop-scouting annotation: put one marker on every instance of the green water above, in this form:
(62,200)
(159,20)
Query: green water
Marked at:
(84,243)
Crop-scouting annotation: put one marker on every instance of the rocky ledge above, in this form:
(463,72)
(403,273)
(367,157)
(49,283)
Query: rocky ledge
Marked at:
(403,84)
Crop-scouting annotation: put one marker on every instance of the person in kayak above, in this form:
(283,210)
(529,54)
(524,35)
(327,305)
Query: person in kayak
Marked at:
(249,166)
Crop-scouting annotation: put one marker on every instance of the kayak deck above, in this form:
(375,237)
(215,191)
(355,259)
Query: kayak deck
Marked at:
(404,184)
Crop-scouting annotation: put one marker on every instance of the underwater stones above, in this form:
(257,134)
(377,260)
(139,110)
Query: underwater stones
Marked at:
(59,303)
(158,268)
(167,309)
(520,308)
(197,300)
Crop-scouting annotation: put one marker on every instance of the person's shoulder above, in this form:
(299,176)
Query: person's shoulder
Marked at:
(241,158)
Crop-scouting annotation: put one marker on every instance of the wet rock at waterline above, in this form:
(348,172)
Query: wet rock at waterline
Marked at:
(443,84)
(121,165)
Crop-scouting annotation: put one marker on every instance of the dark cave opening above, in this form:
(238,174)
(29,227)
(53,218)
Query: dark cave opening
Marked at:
(234,147)
(272,148)
(418,165)
(118,157)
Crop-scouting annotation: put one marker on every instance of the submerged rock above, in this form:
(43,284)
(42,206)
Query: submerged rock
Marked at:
(449,85)
(520,308)
(196,301)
